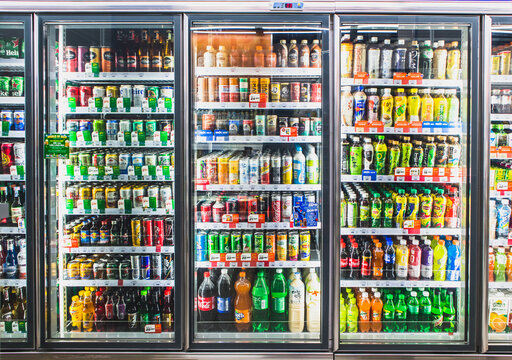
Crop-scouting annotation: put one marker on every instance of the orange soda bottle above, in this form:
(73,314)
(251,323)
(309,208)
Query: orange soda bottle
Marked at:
(243,303)
(364,313)
(377,305)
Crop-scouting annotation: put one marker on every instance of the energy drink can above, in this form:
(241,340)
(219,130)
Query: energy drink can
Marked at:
(281,246)
(253,86)
(244,93)
(260,125)
(259,242)
(135,263)
(156,262)
(136,224)
(305,245)
(293,245)
(305,92)
(285,92)
(145,267)
(295,90)
(213,242)
(270,242)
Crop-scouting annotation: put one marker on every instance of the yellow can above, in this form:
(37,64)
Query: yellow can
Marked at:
(254,85)
(223,167)
(98,192)
(234,178)
(85,192)
(73,270)
(265,87)
(495,65)
(111,196)
(112,91)
(86,271)
(281,246)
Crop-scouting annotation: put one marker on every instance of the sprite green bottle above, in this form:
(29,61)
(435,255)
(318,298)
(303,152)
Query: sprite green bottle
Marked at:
(437,313)
(260,294)
(413,310)
(425,313)
(389,314)
(449,322)
(401,314)
(278,317)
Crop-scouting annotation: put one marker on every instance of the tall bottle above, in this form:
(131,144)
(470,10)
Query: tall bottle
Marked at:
(313,302)
(389,260)
(299,166)
(260,297)
(17,208)
(282,54)
(259,57)
(304,54)
(132,56)
(167,312)
(100,321)
(373,58)
(315,60)
(145,51)
(169,52)
(11,261)
(413,57)
(399,57)
(296,305)
(386,60)
(75,310)
(243,303)
(413,312)
(359,55)
(120,51)
(346,56)
(88,313)
(157,53)
(206,304)
(224,301)
(440,259)
(439,62)
(312,166)
(453,62)
(426,59)
(293,54)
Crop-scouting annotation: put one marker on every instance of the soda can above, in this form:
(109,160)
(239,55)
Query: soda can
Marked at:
(234,90)
(282,122)
(70,59)
(213,242)
(223,89)
(285,92)
(156,261)
(147,232)
(295,92)
(259,242)
(139,92)
(294,122)
(135,263)
(201,246)
(98,92)
(263,205)
(136,224)
(247,242)
(151,128)
(206,212)
(272,125)
(125,160)
(99,270)
(95,56)
(150,159)
(316,92)
(224,242)
(304,126)
(254,86)
(275,212)
(111,159)
(275,92)
(112,128)
(305,245)
(298,198)
(98,159)
(244,90)
(153,92)
(270,242)
(264,168)
(5,85)
(158,231)
(84,192)
(85,93)
(265,87)
(169,231)
(234,171)
(286,207)
(85,158)
(139,191)
(305,92)
(107,59)
(236,242)
(254,170)
(112,91)
(85,125)
(83,57)
(72,92)
(293,245)
(260,125)
(316,126)
(213,89)
(154,192)
(125,126)
(248,127)
(145,267)
(281,246)
(167,267)
(164,159)
(138,159)
(167,92)
(7,115)
(166,196)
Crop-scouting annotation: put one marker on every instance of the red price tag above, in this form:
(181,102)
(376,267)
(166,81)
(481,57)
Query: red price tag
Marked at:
(415,78)
(400,78)
(288,132)
(120,282)
(158,248)
(361,78)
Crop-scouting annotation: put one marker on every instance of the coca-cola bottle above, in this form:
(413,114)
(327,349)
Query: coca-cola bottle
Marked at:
(344,259)
(99,313)
(120,51)
(109,313)
(206,304)
(224,301)
(354,262)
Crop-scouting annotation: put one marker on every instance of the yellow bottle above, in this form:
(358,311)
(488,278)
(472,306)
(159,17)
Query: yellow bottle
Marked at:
(400,107)
(440,106)
(75,310)
(88,313)
(427,106)
(386,108)
(413,105)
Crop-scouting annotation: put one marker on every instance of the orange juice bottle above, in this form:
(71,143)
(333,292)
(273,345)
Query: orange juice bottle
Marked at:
(243,303)
(364,313)
(88,313)
(377,305)
(508,268)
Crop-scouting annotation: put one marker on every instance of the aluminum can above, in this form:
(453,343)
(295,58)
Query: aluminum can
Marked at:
(147,231)
(85,93)
(150,159)
(272,125)
(156,262)
(136,224)
(126,91)
(7,115)
(138,159)
(243,166)
(259,242)
(275,212)
(286,207)
(139,191)
(213,242)
(293,245)
(206,212)
(19,154)
(70,58)
(112,91)
(111,159)
(244,87)
(202,89)
(145,267)
(112,128)
(19,120)
(167,267)
(236,242)
(125,270)
(316,92)
(125,126)
(270,242)
(247,242)
(98,193)
(167,92)
(261,123)
(316,126)
(169,231)
(153,92)
(84,192)
(264,168)
(112,196)
(305,92)
(223,89)
(213,89)
(125,160)
(304,126)
(164,159)
(98,92)
(99,270)
(201,246)
(86,270)
(138,125)
(166,196)
(285,92)
(295,92)
(107,59)
(139,93)
(265,87)
(84,158)
(95,55)
(125,192)
(281,246)
(275,92)
(135,263)
(5,85)
(224,242)
(248,127)
(72,92)
(85,125)
(254,86)
(234,90)
(82,57)
(305,245)
(158,231)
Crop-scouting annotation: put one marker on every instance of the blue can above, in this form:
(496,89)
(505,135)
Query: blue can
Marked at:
(201,246)
(19,120)
(125,160)
(235,126)
(6,115)
(145,267)
(298,198)
(138,159)
(112,128)
(85,124)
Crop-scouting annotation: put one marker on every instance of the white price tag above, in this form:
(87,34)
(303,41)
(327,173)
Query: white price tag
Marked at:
(215,257)
(131,170)
(120,204)
(145,170)
(230,257)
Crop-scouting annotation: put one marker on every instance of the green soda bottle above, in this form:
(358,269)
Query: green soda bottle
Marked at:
(352,316)
(387,219)
(413,309)
(356,157)
(401,314)
(260,294)
(380,155)
(343,315)
(425,313)
(406,151)
(376,210)
(278,317)
(437,313)
(449,324)
(394,157)
(389,314)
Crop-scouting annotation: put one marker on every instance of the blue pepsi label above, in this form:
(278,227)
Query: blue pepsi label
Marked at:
(223,304)
(389,258)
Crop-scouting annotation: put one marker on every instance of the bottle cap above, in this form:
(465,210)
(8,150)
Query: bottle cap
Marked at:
(207,274)
(413,293)
(242,274)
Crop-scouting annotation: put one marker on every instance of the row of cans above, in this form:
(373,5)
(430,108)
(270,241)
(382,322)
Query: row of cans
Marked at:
(12,85)
(15,118)
(233,89)
(113,127)
(261,125)
(162,194)
(12,48)
(286,245)
(124,160)
(121,267)
(275,206)
(136,93)
(12,154)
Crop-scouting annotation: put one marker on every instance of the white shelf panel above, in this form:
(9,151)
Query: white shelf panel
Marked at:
(269,105)
(12,230)
(391,179)
(14,134)
(500,285)
(409,336)
(13,282)
(84,110)
(12,64)
(399,231)
(253,226)
(500,337)
(501,79)
(259,187)
(117,144)
(401,283)
(235,139)
(118,250)
(12,100)
(135,211)
(501,117)
(118,76)
(404,131)
(271,264)
(7,177)
(390,82)
(270,336)
(115,335)
(115,283)
(257,71)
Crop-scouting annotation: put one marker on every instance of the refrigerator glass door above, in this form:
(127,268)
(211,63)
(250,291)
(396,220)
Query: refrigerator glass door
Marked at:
(500,194)
(13,222)
(404,186)
(110,199)
(257,117)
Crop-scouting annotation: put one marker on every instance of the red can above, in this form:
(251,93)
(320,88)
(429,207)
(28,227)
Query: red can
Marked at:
(70,58)
(242,207)
(275,207)
(206,212)
(231,206)
(147,231)
(234,90)
(83,57)
(223,89)
(169,231)
(252,204)
(72,92)
(85,94)
(316,92)
(208,122)
(158,231)
(295,91)
(7,157)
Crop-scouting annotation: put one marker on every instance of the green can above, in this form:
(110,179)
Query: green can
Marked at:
(259,242)
(138,125)
(236,243)
(213,242)
(151,128)
(100,159)
(17,86)
(153,92)
(73,159)
(224,242)
(316,126)
(12,47)
(85,159)
(164,159)
(2,48)
(98,125)
(247,242)
(5,85)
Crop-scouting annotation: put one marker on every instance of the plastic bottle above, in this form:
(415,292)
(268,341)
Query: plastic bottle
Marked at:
(365,313)
(402,260)
(312,166)
(425,209)
(389,260)
(413,204)
(439,209)
(354,263)
(427,261)
(352,316)
(376,211)
(389,207)
(343,314)
(449,314)
(508,267)
(206,304)
(500,265)
(503,219)
(400,207)
(87,313)
(440,259)
(453,262)
(425,317)
(378,262)
(401,314)
(389,314)
(366,262)
(278,307)
(376,321)
(356,157)
(75,310)
(313,302)
(380,155)
(359,105)
(413,309)
(364,212)
(224,301)
(99,313)
(296,305)
(414,261)
(347,106)
(260,295)
(368,154)
(299,166)
(243,303)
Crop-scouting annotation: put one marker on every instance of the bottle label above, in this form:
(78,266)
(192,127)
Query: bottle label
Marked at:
(242,316)
(364,316)
(400,315)
(144,61)
(353,263)
(344,263)
(132,320)
(376,316)
(389,315)
(426,271)
(365,267)
(278,305)
(223,304)
(389,258)
(260,303)
(438,321)
(205,303)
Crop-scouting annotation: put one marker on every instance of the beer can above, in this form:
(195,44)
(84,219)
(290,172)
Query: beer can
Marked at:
(156,262)
(138,159)
(98,125)
(285,92)
(85,93)
(295,92)
(201,246)
(86,270)
(7,115)
(168,267)
(125,160)
(166,196)
(253,86)
(495,65)
(112,196)
(98,92)
(139,191)
(316,92)
(243,166)
(151,128)
(270,242)
(136,224)
(99,270)
(111,159)
(167,91)
(293,245)
(125,270)
(138,125)
(164,159)
(236,242)
(135,263)
(272,125)
(150,159)
(234,172)
(224,242)
(154,192)
(169,231)
(125,126)
(281,246)
(275,92)
(305,92)
(265,87)
(84,158)
(304,126)
(19,120)
(112,91)
(98,192)
(305,245)
(72,92)
(71,124)
(85,125)
(82,57)
(70,58)
(247,242)
(139,93)
(126,91)
(72,193)
(84,192)
(259,242)
(213,89)
(260,125)
(223,89)
(107,59)
(275,212)
(98,159)
(234,90)
(145,267)
(244,90)
(248,127)
(153,92)
(112,128)
(158,231)
(95,56)
(147,231)
(5,85)
(125,192)
(286,207)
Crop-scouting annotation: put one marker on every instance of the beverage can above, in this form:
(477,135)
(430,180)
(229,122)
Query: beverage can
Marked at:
(316,92)
(244,90)
(223,89)
(253,85)
(293,245)
(224,242)
(17,85)
(85,93)
(305,245)
(282,246)
(135,265)
(213,242)
(259,242)
(5,85)
(247,242)
(260,125)
(98,91)
(285,92)
(275,92)
(265,88)
(19,120)
(95,56)
(145,267)
(295,90)
(305,92)
(276,207)
(236,242)
(234,90)
(139,93)
(136,225)
(70,58)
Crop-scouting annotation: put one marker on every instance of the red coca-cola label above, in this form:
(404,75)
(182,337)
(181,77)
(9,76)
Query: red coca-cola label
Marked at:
(344,263)
(316,92)
(365,268)
(205,303)
(353,263)
(276,210)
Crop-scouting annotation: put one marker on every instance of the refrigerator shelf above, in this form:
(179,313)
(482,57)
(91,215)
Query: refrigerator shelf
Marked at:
(119,144)
(258,71)
(500,285)
(153,77)
(415,336)
(505,194)
(12,230)
(108,212)
(117,283)
(266,105)
(501,79)
(258,187)
(270,336)
(400,179)
(16,335)
(12,100)
(257,264)
(118,178)
(437,83)
(85,110)
(14,134)
(12,64)
(114,335)
(399,231)
(424,130)
(8,177)
(253,226)
(500,337)
(401,283)
(501,117)
(13,282)
(118,250)
(235,139)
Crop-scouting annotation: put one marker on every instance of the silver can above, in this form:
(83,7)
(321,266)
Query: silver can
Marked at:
(154,191)
(156,262)
(165,195)
(150,159)
(125,126)
(167,92)
(125,192)
(310,197)
(125,91)
(19,154)
(135,260)
(98,92)
(139,192)
(286,207)
(139,92)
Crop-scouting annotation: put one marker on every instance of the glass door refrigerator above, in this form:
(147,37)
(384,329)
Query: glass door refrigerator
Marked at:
(259,131)
(408,150)
(112,258)
(16,185)
(497,319)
